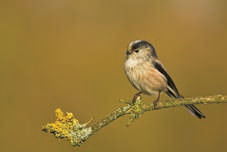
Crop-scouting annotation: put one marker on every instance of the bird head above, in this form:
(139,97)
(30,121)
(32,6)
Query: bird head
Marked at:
(140,49)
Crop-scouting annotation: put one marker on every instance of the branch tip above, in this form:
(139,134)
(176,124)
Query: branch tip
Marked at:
(68,127)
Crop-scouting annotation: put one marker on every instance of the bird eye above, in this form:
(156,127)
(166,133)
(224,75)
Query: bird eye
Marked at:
(136,51)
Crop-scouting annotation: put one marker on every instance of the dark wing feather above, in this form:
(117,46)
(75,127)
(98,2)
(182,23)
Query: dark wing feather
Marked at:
(170,82)
(191,108)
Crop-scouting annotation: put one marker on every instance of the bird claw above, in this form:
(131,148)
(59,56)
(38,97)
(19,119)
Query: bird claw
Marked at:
(155,105)
(135,98)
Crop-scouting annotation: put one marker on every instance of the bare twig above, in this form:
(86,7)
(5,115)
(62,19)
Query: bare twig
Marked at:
(68,127)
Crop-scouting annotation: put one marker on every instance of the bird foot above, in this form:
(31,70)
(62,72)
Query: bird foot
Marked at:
(135,98)
(155,103)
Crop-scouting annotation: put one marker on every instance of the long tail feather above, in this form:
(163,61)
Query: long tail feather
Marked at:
(195,111)
(191,108)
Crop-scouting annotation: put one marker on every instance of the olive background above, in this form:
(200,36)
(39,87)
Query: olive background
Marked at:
(69,54)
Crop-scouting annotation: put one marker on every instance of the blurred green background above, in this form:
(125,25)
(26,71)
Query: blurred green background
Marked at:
(70,54)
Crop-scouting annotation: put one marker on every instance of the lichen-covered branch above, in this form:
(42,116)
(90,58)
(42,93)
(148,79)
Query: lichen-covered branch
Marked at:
(68,127)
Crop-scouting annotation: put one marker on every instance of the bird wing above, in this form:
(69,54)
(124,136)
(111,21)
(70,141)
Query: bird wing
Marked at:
(171,88)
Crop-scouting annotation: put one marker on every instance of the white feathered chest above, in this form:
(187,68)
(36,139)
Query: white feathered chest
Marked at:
(144,77)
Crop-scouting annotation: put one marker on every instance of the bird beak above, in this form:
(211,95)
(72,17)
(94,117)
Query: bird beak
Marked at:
(128,52)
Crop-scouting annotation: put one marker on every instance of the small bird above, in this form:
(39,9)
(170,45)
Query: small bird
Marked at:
(148,75)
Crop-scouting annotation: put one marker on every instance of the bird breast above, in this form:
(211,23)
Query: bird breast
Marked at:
(144,77)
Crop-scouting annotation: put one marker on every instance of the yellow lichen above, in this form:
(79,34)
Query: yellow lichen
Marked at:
(67,126)
(136,110)
(59,114)
(63,125)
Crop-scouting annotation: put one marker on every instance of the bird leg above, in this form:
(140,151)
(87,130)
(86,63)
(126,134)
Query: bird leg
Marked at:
(156,101)
(135,97)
